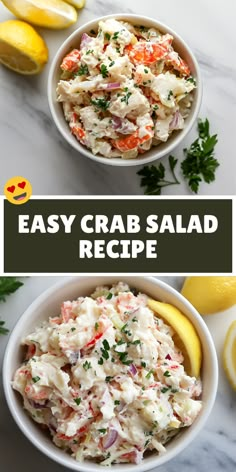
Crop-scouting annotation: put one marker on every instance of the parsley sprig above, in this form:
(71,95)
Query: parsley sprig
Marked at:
(200,163)
(153,177)
(8,285)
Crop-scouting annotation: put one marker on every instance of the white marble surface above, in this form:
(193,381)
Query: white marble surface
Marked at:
(212,451)
(32,147)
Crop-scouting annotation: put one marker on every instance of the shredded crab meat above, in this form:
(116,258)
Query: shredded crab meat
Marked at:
(124,72)
(106,378)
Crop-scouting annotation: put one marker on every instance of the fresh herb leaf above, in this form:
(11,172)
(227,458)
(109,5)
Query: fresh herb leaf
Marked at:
(101,103)
(108,379)
(106,344)
(8,285)
(83,70)
(170,94)
(2,329)
(111,63)
(134,320)
(115,36)
(107,36)
(153,177)
(164,389)
(104,71)
(109,296)
(149,374)
(90,51)
(36,379)
(136,342)
(100,362)
(167,374)
(102,431)
(143,364)
(105,354)
(73,329)
(87,365)
(117,402)
(200,164)
(96,326)
(77,401)
(126,97)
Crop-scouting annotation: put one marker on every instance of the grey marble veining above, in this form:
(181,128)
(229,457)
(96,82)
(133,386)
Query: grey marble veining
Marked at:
(31,145)
(214,449)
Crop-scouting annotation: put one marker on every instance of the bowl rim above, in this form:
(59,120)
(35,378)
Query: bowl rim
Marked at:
(78,466)
(178,138)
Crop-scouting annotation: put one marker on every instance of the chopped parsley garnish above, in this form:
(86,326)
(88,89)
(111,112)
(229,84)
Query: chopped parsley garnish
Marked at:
(125,330)
(148,376)
(104,71)
(101,103)
(36,379)
(106,344)
(87,365)
(167,374)
(96,326)
(108,379)
(120,342)
(128,362)
(164,389)
(2,329)
(73,329)
(192,80)
(143,364)
(117,402)
(102,431)
(105,354)
(122,355)
(107,36)
(155,107)
(147,442)
(170,94)
(174,390)
(126,98)
(111,63)
(136,342)
(118,50)
(109,296)
(134,320)
(146,71)
(115,36)
(90,51)
(77,401)
(100,362)
(83,70)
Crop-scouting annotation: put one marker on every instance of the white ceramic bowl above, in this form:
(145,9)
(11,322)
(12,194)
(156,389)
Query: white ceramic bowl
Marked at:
(73,41)
(48,304)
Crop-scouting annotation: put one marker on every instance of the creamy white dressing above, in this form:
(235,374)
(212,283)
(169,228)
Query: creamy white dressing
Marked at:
(106,378)
(125,72)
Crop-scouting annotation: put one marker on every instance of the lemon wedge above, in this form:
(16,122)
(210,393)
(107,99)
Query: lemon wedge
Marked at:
(76,3)
(210,295)
(21,48)
(185,337)
(54,14)
(229,354)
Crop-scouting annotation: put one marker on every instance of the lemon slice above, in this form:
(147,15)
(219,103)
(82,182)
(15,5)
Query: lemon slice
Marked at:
(54,14)
(185,337)
(76,3)
(210,295)
(229,354)
(21,48)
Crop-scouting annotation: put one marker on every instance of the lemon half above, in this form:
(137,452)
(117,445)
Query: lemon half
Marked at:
(21,48)
(229,354)
(54,14)
(185,337)
(210,295)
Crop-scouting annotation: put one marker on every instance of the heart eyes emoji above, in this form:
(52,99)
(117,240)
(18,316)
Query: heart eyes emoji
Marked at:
(18,190)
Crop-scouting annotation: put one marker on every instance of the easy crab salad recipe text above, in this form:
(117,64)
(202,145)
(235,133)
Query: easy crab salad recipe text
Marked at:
(125,89)
(106,379)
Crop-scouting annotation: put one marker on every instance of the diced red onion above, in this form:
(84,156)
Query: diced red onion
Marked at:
(85,40)
(121,407)
(38,406)
(116,122)
(168,357)
(174,124)
(110,438)
(133,369)
(113,85)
